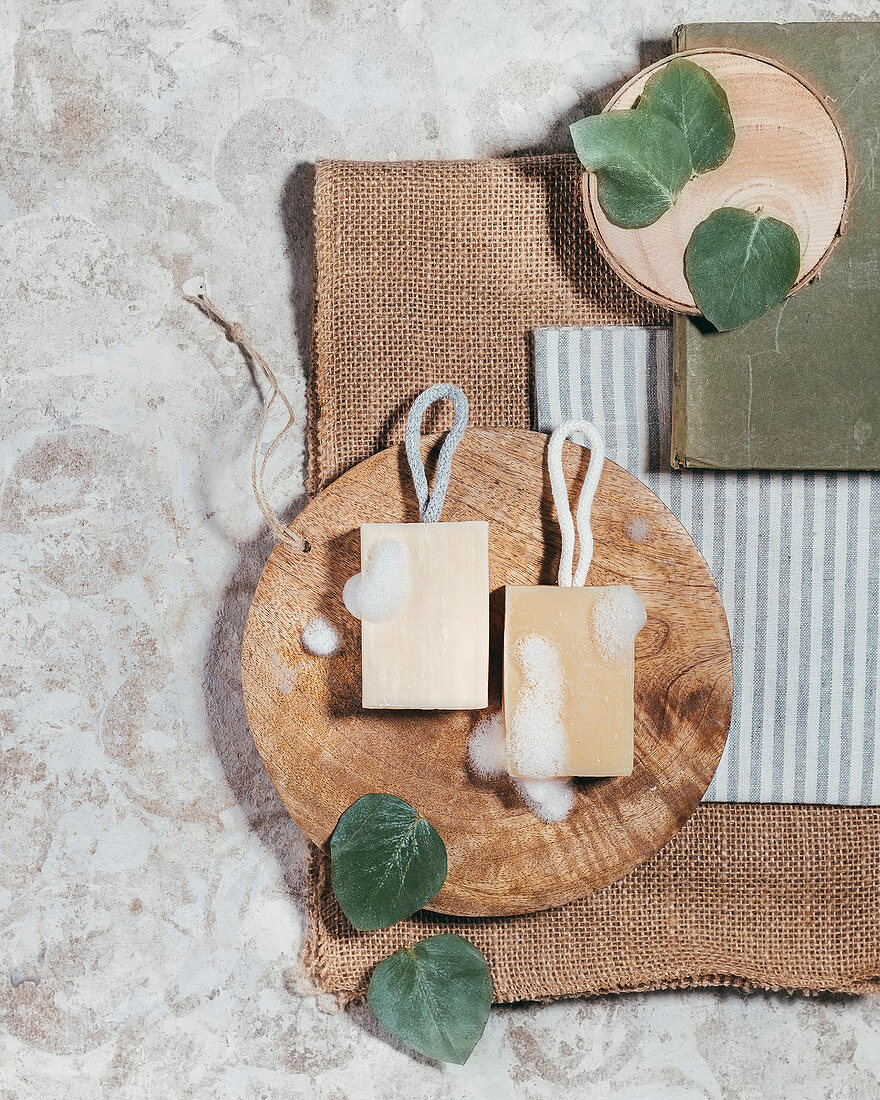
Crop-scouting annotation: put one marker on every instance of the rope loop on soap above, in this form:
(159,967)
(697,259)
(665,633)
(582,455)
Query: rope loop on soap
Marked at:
(235,334)
(585,501)
(431,505)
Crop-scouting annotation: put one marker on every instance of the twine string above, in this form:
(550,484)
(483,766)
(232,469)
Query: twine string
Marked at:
(431,505)
(236,334)
(585,501)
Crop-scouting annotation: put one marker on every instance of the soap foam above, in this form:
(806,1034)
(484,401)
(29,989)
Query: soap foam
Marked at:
(537,744)
(321,637)
(487,753)
(550,800)
(381,591)
(285,676)
(617,617)
(637,529)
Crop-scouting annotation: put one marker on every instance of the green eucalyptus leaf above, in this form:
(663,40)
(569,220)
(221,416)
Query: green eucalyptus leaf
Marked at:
(641,161)
(739,265)
(386,861)
(435,997)
(695,102)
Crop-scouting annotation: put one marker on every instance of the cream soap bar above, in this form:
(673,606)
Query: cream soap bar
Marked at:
(433,653)
(568,680)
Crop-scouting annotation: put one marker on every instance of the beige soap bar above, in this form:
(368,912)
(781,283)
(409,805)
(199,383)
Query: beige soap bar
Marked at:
(434,654)
(568,680)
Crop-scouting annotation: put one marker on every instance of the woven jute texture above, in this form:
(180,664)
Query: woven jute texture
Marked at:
(438,272)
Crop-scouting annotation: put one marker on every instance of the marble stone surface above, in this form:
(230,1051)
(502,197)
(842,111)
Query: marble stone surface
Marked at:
(151,884)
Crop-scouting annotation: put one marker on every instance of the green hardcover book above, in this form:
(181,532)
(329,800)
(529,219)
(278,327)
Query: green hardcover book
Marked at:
(798,389)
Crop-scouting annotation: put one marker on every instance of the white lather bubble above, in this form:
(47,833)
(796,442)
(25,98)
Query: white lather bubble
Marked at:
(537,744)
(550,800)
(487,753)
(380,592)
(321,637)
(617,617)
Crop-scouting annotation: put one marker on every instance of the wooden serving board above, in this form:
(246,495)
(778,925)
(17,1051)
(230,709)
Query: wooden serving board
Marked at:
(323,751)
(788,159)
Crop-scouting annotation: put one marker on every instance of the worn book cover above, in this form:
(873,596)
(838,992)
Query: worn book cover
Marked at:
(799,388)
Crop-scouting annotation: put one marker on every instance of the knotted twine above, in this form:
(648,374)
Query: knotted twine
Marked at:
(430,504)
(195,291)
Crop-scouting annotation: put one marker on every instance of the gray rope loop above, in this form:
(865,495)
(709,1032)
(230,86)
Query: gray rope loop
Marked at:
(430,506)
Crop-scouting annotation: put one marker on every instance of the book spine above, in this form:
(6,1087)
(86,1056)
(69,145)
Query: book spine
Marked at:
(679,448)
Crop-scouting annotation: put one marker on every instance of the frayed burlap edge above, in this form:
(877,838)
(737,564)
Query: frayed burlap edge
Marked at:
(314,963)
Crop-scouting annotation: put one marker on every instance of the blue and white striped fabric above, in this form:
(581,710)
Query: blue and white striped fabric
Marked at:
(796,557)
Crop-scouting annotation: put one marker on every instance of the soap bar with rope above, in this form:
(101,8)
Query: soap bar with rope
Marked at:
(434,653)
(423,592)
(569,651)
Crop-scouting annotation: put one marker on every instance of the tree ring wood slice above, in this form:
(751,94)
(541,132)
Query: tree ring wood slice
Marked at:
(788,158)
(323,751)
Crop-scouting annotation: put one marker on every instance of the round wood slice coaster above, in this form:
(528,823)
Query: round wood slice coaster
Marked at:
(788,158)
(323,751)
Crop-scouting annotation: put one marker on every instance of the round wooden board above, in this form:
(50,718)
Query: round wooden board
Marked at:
(323,751)
(788,158)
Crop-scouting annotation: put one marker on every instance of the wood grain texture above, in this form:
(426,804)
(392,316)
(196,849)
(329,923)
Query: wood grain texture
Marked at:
(323,751)
(789,159)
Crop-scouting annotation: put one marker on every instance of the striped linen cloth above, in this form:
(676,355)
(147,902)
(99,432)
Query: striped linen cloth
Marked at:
(796,557)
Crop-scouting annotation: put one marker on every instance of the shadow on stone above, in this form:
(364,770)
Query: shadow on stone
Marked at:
(224,702)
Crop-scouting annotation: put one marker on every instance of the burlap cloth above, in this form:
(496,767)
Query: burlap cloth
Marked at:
(438,272)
